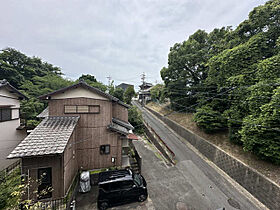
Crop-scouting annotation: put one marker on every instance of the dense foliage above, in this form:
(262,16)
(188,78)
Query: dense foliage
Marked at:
(34,78)
(9,199)
(129,94)
(158,93)
(135,118)
(230,80)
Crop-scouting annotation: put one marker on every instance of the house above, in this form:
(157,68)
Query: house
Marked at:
(11,131)
(145,92)
(83,128)
(124,86)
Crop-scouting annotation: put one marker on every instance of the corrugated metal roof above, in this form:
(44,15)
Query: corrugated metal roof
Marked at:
(48,138)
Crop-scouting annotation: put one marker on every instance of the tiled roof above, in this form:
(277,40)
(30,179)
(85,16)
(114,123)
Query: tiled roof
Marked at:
(118,128)
(123,123)
(48,138)
(44,113)
(85,85)
(132,136)
(5,83)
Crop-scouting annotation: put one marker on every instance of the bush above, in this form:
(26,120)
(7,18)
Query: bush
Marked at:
(209,120)
(8,198)
(136,120)
(261,134)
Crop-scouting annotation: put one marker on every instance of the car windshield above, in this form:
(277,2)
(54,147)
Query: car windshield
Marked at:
(138,179)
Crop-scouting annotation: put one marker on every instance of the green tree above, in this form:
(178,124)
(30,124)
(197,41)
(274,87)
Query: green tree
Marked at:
(129,94)
(91,80)
(157,92)
(118,93)
(261,134)
(136,120)
(209,120)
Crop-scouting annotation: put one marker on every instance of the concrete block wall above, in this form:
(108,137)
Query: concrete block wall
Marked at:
(155,141)
(259,186)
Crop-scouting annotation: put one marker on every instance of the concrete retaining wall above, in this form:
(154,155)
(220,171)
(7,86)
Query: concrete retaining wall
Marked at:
(155,141)
(259,186)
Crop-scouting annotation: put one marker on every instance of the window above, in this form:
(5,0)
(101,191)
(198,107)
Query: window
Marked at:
(127,184)
(45,183)
(105,149)
(5,114)
(82,109)
(70,109)
(76,109)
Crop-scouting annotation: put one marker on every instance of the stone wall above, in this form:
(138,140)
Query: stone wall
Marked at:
(259,186)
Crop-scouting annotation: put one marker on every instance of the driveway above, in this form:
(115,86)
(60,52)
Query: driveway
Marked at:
(88,201)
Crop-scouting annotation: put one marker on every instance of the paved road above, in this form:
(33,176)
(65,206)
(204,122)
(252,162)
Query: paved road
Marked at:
(192,182)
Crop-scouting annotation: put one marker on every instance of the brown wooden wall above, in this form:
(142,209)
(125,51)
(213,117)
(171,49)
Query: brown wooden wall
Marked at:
(55,162)
(104,118)
(92,132)
(120,112)
(70,165)
(88,152)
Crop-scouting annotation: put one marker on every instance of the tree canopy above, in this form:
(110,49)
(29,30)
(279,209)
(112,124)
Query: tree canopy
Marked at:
(230,80)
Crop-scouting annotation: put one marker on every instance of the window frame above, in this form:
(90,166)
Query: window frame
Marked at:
(44,184)
(10,110)
(104,152)
(77,112)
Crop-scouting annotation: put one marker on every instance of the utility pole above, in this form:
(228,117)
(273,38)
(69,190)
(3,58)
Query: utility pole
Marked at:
(109,80)
(143,76)
(143,97)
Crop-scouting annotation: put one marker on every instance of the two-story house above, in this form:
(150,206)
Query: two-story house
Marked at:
(11,133)
(84,129)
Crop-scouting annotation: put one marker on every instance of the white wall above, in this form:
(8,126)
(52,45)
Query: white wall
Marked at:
(12,100)
(10,137)
(78,93)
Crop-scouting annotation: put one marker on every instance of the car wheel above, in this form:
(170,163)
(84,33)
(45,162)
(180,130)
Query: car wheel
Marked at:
(103,206)
(142,198)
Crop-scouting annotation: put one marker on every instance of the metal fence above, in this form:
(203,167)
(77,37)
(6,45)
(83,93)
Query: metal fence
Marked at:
(58,204)
(6,171)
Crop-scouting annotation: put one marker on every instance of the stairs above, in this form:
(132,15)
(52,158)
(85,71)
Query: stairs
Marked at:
(134,166)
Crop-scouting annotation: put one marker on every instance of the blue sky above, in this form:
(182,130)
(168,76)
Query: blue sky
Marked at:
(120,38)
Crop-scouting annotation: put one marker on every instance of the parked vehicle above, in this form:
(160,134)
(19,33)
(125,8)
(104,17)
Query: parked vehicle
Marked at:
(120,186)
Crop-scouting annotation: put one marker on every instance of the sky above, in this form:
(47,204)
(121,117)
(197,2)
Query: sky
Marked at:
(117,38)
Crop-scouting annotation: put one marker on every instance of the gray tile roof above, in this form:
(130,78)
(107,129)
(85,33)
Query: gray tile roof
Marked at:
(123,123)
(85,85)
(48,138)
(44,113)
(118,128)
(5,83)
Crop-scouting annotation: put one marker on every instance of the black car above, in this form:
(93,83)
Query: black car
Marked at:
(120,186)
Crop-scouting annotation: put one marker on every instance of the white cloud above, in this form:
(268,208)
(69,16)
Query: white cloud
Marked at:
(121,38)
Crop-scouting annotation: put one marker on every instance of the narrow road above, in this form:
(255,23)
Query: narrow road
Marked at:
(211,189)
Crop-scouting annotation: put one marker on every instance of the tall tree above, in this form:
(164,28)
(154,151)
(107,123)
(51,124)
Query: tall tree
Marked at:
(129,94)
